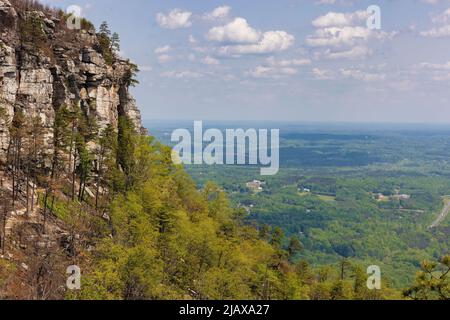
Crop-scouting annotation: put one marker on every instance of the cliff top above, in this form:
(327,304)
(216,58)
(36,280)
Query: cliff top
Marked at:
(81,67)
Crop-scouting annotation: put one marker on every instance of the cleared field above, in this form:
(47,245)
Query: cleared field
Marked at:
(322,197)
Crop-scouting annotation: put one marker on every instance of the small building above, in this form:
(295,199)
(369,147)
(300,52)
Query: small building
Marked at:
(255,185)
(381,197)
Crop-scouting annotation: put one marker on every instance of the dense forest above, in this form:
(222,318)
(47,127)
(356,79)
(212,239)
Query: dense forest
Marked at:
(110,201)
(146,232)
(382,213)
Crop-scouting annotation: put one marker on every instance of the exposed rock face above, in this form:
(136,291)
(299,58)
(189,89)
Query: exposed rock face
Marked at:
(65,69)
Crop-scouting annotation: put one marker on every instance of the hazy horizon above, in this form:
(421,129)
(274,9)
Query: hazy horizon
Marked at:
(300,122)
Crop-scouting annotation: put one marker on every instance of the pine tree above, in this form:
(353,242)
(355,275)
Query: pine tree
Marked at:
(294,247)
(344,266)
(32,162)
(432,282)
(104,29)
(62,133)
(264,232)
(125,149)
(84,166)
(5,123)
(17,136)
(131,74)
(72,151)
(104,38)
(105,157)
(277,237)
(115,42)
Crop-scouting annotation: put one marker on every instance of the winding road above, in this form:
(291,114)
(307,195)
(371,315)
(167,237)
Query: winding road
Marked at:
(444,213)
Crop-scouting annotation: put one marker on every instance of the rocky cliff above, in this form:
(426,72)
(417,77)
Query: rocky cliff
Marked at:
(45,65)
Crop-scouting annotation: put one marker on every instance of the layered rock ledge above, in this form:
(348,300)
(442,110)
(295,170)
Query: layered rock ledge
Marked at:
(44,65)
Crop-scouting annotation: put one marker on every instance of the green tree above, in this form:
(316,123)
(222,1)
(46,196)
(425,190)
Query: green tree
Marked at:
(62,134)
(264,232)
(17,132)
(277,237)
(125,149)
(432,282)
(105,154)
(131,74)
(84,167)
(104,39)
(104,29)
(295,246)
(115,42)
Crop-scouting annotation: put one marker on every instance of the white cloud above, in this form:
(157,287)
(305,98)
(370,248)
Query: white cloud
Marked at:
(163,49)
(175,19)
(337,36)
(325,1)
(443,27)
(278,68)
(288,62)
(237,31)
(271,72)
(345,36)
(435,71)
(357,52)
(271,41)
(327,74)
(210,61)
(336,19)
(442,18)
(164,58)
(218,13)
(435,66)
(362,76)
(440,32)
(239,38)
(181,74)
(192,39)
(323,74)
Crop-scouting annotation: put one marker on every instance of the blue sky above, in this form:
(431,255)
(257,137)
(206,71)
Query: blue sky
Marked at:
(302,60)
